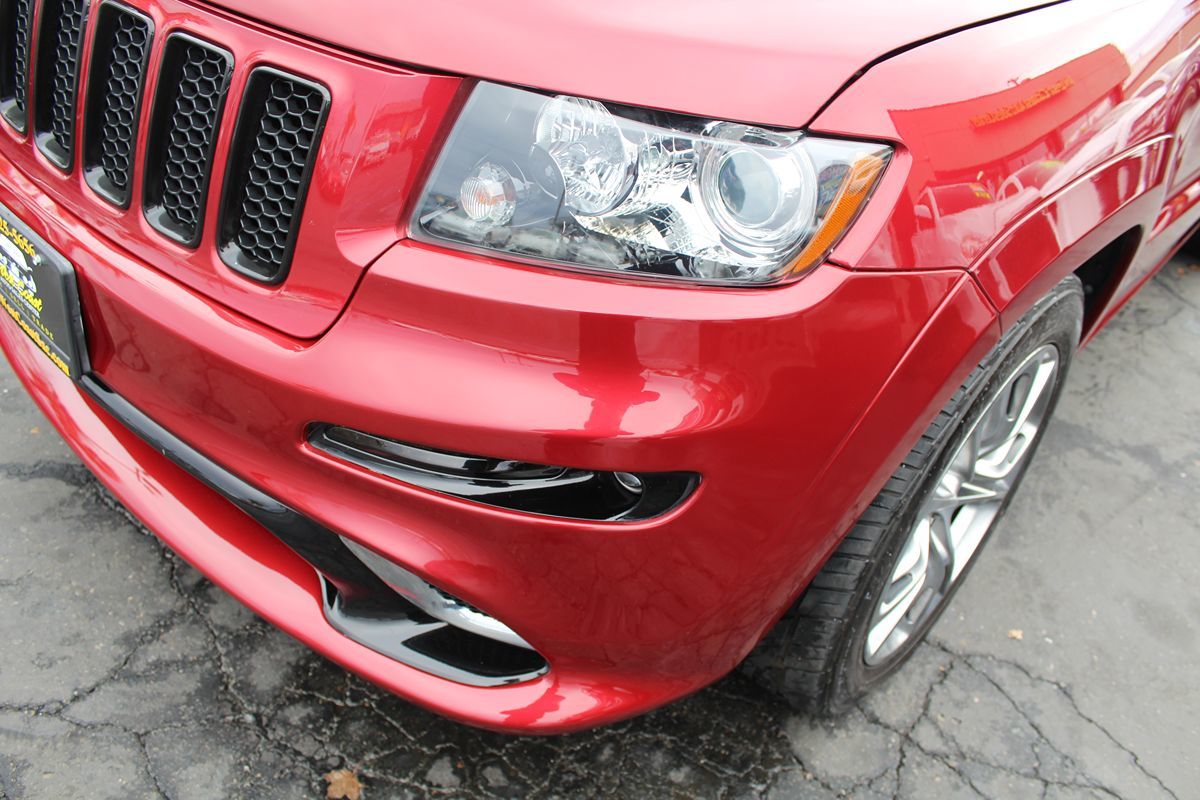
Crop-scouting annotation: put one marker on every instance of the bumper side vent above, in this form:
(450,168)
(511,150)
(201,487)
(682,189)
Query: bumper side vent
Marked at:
(271,162)
(17,17)
(120,50)
(494,661)
(188,103)
(417,623)
(554,491)
(390,625)
(60,41)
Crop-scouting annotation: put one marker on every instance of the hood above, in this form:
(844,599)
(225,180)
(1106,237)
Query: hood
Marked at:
(774,62)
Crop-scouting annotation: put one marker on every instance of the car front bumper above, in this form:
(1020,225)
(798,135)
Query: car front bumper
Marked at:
(792,403)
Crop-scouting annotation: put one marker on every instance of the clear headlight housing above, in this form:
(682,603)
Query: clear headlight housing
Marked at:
(574,183)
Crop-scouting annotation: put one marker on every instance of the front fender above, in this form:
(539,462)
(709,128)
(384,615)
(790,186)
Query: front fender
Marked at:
(1064,231)
(1066,94)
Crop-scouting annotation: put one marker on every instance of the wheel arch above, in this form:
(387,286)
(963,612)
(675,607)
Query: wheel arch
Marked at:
(1092,227)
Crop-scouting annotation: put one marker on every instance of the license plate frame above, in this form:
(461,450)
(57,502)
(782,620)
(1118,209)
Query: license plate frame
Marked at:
(39,293)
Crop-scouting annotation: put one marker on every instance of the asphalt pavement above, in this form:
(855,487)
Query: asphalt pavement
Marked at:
(1064,669)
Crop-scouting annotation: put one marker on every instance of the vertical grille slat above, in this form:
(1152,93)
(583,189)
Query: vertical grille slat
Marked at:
(271,161)
(120,51)
(17,17)
(183,133)
(57,77)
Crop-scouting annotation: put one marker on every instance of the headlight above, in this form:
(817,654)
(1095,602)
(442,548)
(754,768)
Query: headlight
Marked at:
(575,183)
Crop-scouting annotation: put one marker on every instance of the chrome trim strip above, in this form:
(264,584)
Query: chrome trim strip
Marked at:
(433,601)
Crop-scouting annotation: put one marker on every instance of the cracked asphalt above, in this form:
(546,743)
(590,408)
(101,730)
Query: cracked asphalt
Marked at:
(1064,669)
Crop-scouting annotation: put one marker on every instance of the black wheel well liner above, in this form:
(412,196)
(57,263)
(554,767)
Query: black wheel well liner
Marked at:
(1102,273)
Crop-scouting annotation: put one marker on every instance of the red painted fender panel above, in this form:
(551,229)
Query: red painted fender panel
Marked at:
(1062,91)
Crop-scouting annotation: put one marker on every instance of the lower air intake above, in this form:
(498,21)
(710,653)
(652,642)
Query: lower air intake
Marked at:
(402,616)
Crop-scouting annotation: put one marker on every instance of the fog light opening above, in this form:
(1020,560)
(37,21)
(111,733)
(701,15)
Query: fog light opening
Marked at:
(556,491)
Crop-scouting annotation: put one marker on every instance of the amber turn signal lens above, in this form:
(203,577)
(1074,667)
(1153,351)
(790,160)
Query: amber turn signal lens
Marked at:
(850,199)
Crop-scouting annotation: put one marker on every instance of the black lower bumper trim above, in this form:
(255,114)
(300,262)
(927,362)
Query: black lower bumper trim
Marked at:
(357,603)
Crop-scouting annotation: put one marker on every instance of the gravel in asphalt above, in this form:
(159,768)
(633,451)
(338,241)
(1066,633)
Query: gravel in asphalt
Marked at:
(1064,668)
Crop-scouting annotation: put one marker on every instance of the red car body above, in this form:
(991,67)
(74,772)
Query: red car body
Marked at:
(1028,138)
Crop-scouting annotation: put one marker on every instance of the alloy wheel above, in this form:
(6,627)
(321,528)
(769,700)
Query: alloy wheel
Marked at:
(967,498)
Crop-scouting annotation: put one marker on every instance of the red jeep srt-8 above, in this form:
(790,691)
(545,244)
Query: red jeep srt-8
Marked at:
(543,362)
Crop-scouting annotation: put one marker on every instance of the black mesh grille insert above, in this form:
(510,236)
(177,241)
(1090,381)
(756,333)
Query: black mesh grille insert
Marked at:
(60,40)
(183,133)
(17,17)
(271,161)
(120,50)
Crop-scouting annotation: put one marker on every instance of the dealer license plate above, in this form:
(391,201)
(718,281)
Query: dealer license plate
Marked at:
(38,291)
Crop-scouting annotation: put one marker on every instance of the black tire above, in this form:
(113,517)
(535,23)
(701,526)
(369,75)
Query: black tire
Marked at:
(814,657)
(1191,246)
